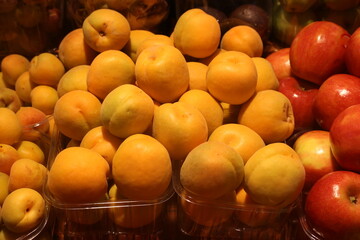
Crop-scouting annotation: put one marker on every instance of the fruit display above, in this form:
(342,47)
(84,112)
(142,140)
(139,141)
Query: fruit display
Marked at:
(30,27)
(25,144)
(214,130)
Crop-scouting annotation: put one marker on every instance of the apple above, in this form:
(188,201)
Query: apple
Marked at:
(352,55)
(345,138)
(23,210)
(318,51)
(302,96)
(335,94)
(313,148)
(332,205)
(280,62)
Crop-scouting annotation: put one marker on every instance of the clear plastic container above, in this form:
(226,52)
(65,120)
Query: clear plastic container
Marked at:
(310,231)
(29,27)
(204,219)
(43,226)
(122,219)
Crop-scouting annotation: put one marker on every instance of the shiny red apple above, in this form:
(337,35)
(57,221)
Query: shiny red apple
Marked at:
(335,94)
(302,96)
(332,206)
(345,138)
(280,62)
(318,51)
(352,56)
(313,148)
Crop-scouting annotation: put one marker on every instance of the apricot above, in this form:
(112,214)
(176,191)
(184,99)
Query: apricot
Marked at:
(244,39)
(76,112)
(74,51)
(157,39)
(209,215)
(46,69)
(242,138)
(137,36)
(73,79)
(232,77)
(9,99)
(4,190)
(109,70)
(27,173)
(207,105)
(12,66)
(207,60)
(23,87)
(196,33)
(161,71)
(274,175)
(78,170)
(255,215)
(10,127)
(197,75)
(102,141)
(127,110)
(132,216)
(180,127)
(33,122)
(270,114)
(266,77)
(8,155)
(30,150)
(44,98)
(211,170)
(106,29)
(141,168)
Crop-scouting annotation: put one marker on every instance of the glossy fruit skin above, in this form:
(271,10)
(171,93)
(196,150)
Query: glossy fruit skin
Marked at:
(345,138)
(302,101)
(318,51)
(332,205)
(335,94)
(352,56)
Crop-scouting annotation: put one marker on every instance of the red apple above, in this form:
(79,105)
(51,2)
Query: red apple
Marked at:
(301,95)
(332,205)
(280,62)
(318,51)
(345,138)
(352,55)
(335,94)
(313,148)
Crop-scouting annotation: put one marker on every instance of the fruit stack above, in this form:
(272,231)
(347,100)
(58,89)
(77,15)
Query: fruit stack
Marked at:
(202,114)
